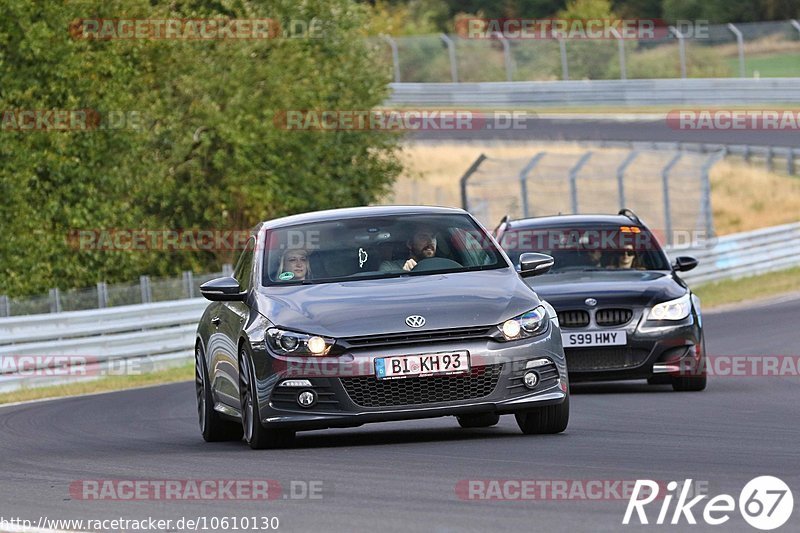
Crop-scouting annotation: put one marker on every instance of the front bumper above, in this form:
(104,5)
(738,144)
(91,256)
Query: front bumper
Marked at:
(651,350)
(349,395)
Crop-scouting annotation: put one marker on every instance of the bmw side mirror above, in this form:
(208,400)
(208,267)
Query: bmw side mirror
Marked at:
(533,264)
(684,263)
(225,289)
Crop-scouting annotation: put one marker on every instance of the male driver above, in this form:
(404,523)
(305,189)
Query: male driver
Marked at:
(421,245)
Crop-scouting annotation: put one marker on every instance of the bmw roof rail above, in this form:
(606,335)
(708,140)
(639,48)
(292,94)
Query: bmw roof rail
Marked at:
(630,214)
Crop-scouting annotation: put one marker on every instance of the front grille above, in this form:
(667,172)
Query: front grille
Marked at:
(587,359)
(419,336)
(373,392)
(573,319)
(613,317)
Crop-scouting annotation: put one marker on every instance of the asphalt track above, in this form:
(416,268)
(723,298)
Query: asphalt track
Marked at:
(402,476)
(582,129)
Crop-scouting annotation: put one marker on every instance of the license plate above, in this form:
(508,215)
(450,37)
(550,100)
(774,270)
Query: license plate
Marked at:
(436,364)
(594,338)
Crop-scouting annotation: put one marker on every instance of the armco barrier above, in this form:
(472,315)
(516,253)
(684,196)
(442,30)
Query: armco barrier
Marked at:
(161,334)
(540,94)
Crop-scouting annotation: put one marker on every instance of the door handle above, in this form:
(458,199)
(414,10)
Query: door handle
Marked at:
(215,321)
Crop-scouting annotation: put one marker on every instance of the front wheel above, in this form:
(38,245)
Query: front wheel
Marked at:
(544,420)
(697,379)
(256,435)
(212,426)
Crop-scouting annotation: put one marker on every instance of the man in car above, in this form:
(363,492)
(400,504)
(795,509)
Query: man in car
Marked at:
(421,245)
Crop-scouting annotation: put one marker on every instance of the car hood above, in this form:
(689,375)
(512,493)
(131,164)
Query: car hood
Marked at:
(368,307)
(626,287)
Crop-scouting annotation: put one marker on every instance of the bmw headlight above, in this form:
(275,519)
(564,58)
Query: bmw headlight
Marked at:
(672,310)
(285,342)
(529,324)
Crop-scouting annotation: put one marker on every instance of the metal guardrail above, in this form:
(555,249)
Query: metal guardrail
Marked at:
(162,334)
(537,94)
(744,254)
(156,335)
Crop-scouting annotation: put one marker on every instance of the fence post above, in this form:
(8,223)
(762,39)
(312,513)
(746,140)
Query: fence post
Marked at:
(227,270)
(623,67)
(795,24)
(55,300)
(790,162)
(144,287)
(188,283)
(740,45)
(5,306)
(523,181)
(706,187)
(463,181)
(665,188)
(573,180)
(681,48)
(451,48)
(395,57)
(770,159)
(102,295)
(621,176)
(506,56)
(562,47)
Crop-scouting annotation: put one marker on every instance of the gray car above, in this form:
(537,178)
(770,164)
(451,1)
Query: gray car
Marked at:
(343,317)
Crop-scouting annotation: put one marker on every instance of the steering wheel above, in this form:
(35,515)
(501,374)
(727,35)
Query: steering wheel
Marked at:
(435,263)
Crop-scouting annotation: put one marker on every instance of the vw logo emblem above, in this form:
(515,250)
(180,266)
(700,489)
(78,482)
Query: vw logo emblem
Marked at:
(591,302)
(415,321)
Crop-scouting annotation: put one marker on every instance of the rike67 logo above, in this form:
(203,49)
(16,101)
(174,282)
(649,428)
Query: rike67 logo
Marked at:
(766,503)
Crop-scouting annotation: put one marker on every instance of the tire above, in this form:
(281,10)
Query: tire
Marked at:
(483,420)
(693,383)
(544,420)
(212,426)
(256,435)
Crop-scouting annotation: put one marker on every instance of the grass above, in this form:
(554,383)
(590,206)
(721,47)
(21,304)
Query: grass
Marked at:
(111,383)
(743,197)
(748,289)
(770,66)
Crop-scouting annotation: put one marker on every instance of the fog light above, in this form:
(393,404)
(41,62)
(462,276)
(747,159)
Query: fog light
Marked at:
(531,379)
(307,398)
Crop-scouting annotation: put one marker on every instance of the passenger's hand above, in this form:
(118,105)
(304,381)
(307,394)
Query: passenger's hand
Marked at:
(411,263)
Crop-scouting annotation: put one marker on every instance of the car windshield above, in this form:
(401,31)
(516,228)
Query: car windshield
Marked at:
(589,248)
(377,247)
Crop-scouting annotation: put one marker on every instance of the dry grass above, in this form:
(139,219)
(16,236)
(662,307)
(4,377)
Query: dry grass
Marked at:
(743,197)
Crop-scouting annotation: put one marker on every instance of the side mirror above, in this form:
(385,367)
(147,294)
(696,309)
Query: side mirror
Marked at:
(533,264)
(684,263)
(225,289)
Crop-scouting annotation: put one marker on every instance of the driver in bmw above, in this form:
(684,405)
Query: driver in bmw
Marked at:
(421,245)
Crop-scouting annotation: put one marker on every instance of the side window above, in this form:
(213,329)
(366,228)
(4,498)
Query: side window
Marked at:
(244,267)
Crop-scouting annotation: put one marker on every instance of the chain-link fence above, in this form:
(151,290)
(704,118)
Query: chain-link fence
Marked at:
(758,49)
(103,295)
(670,190)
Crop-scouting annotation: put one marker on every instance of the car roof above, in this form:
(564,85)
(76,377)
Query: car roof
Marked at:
(571,221)
(358,212)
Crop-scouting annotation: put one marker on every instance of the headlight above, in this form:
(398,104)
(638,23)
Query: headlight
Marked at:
(526,325)
(285,342)
(672,310)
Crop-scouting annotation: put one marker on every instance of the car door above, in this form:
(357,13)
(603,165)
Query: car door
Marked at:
(229,319)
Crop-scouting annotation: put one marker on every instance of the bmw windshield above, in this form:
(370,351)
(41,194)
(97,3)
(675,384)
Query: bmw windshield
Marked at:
(377,247)
(589,248)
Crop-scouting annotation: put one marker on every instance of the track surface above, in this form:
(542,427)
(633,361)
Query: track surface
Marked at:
(610,130)
(402,476)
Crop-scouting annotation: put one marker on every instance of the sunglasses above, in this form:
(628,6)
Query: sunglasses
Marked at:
(628,253)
